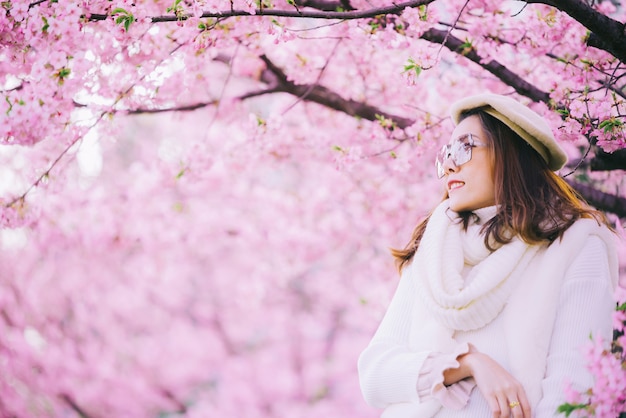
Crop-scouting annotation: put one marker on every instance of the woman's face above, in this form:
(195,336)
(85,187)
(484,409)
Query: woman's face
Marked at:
(470,185)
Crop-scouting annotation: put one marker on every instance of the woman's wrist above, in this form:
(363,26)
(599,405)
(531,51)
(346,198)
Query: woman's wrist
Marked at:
(464,370)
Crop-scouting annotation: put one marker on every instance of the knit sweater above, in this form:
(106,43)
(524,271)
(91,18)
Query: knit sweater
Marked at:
(549,305)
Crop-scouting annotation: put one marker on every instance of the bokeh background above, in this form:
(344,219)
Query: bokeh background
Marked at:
(198,211)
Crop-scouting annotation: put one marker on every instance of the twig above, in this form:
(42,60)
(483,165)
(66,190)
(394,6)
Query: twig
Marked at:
(317,80)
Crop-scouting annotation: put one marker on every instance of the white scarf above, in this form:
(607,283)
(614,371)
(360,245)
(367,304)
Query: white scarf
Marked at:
(440,262)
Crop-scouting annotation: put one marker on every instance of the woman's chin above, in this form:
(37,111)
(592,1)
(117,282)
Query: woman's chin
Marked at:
(457,206)
(464,206)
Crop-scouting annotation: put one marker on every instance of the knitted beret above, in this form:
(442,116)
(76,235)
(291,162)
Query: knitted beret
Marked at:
(521,119)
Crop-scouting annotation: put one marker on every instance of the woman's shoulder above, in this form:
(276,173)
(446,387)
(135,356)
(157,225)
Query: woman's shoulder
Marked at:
(585,245)
(584,228)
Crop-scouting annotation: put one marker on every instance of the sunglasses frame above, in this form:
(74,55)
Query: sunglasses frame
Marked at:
(459,150)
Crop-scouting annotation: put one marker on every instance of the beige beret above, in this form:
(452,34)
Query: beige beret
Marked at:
(521,119)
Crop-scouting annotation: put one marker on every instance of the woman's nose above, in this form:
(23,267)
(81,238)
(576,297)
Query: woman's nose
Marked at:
(448,165)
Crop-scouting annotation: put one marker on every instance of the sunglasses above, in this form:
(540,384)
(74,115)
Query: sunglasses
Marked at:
(459,150)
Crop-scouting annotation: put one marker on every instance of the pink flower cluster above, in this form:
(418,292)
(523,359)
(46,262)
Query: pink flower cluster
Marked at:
(607,397)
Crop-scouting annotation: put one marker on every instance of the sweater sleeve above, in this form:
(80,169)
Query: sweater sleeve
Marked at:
(389,371)
(585,306)
(430,380)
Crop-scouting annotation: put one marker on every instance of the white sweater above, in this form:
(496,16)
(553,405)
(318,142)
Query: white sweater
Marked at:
(565,294)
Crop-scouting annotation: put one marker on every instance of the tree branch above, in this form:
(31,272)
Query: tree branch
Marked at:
(507,76)
(73,405)
(181,408)
(326,97)
(185,108)
(604,161)
(346,15)
(326,5)
(606,33)
(602,201)
(258,93)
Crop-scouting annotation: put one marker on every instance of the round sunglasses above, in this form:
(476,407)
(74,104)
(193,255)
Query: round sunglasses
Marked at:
(459,150)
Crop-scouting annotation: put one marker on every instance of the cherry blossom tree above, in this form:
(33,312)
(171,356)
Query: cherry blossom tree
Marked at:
(198,197)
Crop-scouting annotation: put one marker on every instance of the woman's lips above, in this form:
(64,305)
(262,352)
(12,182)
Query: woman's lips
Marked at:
(455,184)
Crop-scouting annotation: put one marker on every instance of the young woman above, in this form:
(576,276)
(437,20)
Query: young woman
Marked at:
(501,285)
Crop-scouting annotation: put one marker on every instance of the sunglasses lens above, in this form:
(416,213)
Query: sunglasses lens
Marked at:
(442,155)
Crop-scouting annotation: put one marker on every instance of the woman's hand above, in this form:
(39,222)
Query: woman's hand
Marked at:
(504,394)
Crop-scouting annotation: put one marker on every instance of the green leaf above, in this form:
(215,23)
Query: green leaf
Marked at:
(466,47)
(423,12)
(119,10)
(563,60)
(175,8)
(127,23)
(62,74)
(45,24)
(609,125)
(568,408)
(124,17)
(10,104)
(411,65)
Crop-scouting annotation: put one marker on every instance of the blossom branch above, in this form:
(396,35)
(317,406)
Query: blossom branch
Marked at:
(78,138)
(185,108)
(329,6)
(74,406)
(603,201)
(521,86)
(345,15)
(276,78)
(604,161)
(507,76)
(606,33)
(181,408)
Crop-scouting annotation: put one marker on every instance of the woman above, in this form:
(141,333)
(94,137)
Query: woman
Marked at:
(501,285)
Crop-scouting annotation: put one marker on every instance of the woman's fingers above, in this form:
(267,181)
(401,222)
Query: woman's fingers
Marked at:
(518,405)
(516,408)
(495,405)
(503,408)
(525,405)
(511,403)
(504,394)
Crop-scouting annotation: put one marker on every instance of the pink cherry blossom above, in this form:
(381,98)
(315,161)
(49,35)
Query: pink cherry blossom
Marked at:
(199,197)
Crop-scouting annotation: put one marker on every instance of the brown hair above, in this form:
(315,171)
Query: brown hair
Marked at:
(534,203)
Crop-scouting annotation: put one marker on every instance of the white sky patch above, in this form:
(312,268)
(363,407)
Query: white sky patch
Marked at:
(13,238)
(89,155)
(34,338)
(170,150)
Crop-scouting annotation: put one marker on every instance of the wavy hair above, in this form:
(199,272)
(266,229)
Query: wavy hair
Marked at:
(534,203)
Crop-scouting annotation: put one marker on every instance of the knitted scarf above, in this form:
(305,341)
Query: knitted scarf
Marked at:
(440,262)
